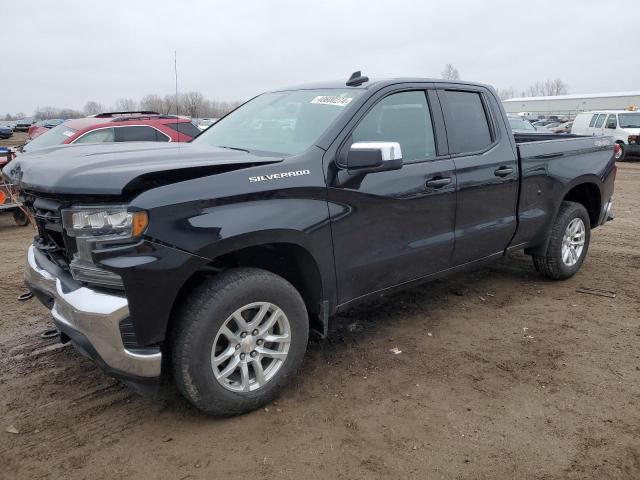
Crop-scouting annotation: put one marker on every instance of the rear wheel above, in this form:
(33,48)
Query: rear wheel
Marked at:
(567,244)
(237,341)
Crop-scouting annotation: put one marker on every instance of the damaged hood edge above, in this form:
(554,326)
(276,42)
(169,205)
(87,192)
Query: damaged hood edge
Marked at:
(110,169)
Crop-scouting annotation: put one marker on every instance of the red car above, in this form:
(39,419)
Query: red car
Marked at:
(117,127)
(43,126)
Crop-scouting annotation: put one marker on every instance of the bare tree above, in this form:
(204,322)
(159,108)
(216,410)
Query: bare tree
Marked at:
(450,72)
(170,105)
(93,108)
(547,88)
(152,102)
(220,109)
(555,87)
(192,104)
(45,113)
(126,105)
(507,93)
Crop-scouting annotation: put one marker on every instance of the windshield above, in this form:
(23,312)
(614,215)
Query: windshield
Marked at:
(519,124)
(629,120)
(280,122)
(55,136)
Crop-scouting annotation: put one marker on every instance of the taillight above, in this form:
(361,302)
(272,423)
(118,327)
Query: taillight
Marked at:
(617,149)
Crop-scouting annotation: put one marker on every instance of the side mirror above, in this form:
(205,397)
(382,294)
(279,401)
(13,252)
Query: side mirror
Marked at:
(368,157)
(611,126)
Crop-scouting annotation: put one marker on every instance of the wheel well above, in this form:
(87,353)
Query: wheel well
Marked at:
(587,194)
(290,261)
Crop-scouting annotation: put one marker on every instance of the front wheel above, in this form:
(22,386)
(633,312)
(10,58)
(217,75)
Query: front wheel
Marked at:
(567,244)
(238,339)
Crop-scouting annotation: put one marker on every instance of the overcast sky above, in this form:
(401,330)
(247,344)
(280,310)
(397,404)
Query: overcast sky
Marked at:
(65,53)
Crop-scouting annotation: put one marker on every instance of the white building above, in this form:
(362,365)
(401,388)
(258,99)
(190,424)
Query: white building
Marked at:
(570,105)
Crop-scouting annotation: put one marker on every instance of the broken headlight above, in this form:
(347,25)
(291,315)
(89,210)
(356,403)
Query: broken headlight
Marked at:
(93,228)
(101,221)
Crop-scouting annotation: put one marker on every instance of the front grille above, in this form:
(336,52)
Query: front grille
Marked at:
(51,239)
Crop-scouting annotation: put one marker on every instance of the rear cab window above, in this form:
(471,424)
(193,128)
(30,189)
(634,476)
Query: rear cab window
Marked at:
(600,120)
(593,120)
(468,125)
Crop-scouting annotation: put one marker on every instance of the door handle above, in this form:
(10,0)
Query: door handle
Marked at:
(438,182)
(503,171)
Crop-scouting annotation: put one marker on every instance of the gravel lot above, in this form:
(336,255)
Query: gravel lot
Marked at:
(502,375)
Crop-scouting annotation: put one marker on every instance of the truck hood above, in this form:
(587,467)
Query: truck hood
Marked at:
(115,168)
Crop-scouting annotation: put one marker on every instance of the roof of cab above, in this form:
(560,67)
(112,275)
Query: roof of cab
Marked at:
(377,83)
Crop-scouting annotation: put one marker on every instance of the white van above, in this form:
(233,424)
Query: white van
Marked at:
(623,125)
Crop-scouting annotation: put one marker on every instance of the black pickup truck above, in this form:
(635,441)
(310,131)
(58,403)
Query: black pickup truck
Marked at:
(211,262)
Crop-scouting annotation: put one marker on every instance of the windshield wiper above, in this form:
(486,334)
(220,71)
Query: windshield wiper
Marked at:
(234,148)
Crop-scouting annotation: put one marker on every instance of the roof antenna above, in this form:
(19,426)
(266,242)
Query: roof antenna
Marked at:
(175,69)
(356,79)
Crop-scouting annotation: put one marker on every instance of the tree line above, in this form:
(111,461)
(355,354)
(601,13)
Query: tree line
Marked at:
(541,88)
(192,104)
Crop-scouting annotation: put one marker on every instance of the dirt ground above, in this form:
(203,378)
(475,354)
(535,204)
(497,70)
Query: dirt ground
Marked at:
(502,375)
(18,138)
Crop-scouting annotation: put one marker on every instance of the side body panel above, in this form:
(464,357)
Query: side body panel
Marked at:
(550,169)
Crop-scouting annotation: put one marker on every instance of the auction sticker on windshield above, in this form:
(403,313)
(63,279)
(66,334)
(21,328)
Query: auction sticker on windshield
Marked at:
(332,100)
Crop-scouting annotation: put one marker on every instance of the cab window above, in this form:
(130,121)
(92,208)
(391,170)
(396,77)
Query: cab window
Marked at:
(612,122)
(404,118)
(600,120)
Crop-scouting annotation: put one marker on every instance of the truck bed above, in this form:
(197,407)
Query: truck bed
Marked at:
(545,146)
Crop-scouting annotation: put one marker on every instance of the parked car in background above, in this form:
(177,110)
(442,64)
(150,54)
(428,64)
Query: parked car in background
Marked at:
(543,123)
(5,132)
(204,123)
(9,123)
(24,124)
(42,126)
(520,125)
(622,125)
(117,127)
(562,128)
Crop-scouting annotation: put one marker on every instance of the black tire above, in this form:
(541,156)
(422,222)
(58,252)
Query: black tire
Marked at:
(200,318)
(550,264)
(622,157)
(20,218)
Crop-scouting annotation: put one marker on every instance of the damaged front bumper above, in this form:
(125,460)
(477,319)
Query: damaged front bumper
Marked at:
(91,320)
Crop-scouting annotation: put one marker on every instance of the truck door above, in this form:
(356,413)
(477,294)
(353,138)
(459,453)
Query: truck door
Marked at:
(486,169)
(395,226)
